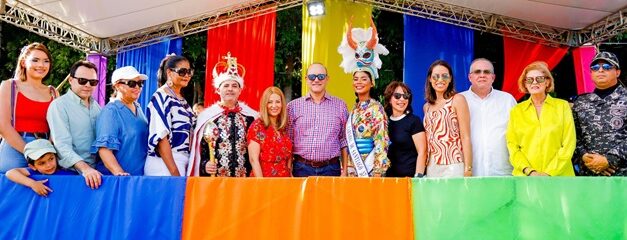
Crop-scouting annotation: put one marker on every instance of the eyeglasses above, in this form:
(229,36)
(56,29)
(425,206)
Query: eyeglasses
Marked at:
(538,79)
(83,81)
(605,66)
(443,77)
(484,71)
(312,77)
(183,71)
(398,96)
(133,83)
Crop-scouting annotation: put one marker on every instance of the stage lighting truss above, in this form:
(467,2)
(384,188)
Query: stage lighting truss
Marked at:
(188,26)
(605,29)
(503,25)
(24,16)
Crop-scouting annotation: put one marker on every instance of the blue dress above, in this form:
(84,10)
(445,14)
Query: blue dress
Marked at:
(125,134)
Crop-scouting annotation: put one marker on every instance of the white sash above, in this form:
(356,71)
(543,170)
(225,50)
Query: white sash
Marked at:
(363,168)
(208,115)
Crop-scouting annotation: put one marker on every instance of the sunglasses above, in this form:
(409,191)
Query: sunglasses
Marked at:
(83,81)
(443,77)
(605,66)
(484,71)
(132,83)
(312,77)
(183,71)
(398,96)
(538,79)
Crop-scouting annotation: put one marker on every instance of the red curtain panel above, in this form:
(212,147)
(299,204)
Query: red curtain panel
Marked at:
(518,54)
(582,56)
(252,42)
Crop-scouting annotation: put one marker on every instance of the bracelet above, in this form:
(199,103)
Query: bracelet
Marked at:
(530,172)
(469,168)
(419,175)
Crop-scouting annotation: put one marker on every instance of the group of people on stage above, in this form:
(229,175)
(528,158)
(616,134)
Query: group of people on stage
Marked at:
(479,132)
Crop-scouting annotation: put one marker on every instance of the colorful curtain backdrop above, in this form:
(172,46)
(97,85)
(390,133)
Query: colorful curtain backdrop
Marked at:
(321,37)
(133,207)
(252,43)
(101,63)
(146,60)
(582,56)
(427,41)
(519,208)
(297,208)
(518,54)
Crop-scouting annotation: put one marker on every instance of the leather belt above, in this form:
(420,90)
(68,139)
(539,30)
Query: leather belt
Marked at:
(317,164)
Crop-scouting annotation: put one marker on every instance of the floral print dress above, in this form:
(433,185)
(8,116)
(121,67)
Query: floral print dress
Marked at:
(369,121)
(276,149)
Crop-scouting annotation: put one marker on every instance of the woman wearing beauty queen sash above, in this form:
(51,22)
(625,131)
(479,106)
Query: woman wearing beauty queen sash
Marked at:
(219,146)
(366,128)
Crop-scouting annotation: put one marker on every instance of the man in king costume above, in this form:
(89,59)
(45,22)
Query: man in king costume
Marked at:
(219,145)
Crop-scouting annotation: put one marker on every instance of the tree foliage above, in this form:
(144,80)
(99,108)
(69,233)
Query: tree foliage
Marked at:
(391,35)
(287,62)
(14,38)
(195,49)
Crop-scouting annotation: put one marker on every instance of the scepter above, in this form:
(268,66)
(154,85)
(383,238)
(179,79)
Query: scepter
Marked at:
(210,135)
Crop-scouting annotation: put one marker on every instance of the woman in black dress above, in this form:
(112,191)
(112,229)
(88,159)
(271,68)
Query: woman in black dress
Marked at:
(408,150)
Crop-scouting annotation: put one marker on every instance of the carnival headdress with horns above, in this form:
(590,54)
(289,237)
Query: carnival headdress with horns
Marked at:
(228,70)
(360,50)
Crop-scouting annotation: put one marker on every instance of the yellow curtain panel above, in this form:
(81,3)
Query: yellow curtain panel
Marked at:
(321,37)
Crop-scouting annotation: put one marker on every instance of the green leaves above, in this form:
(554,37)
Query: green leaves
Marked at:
(12,39)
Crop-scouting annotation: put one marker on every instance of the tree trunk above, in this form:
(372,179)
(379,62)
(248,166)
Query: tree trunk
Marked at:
(287,91)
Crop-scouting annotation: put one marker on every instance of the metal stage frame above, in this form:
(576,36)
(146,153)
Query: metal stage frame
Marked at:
(24,16)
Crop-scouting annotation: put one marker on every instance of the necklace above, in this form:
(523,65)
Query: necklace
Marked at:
(174,93)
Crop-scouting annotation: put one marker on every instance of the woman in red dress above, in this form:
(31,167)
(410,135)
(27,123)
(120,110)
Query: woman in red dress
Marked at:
(269,147)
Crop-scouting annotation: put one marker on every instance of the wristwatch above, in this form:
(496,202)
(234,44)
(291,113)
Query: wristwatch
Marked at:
(419,175)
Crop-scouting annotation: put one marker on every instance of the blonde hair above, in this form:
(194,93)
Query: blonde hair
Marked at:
(538,66)
(263,108)
(20,71)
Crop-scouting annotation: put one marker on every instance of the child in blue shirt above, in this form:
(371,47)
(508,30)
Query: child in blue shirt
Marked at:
(42,160)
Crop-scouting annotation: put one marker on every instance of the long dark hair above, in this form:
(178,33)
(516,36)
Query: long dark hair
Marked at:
(371,89)
(387,97)
(430,95)
(168,62)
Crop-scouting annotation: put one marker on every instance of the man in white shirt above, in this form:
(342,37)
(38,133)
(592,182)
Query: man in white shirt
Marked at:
(489,114)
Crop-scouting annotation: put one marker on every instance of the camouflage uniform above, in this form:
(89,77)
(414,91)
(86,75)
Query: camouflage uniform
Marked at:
(601,126)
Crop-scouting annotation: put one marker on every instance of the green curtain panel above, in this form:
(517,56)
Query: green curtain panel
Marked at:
(520,208)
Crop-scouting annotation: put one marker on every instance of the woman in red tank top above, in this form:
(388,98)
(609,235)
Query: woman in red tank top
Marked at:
(24,104)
